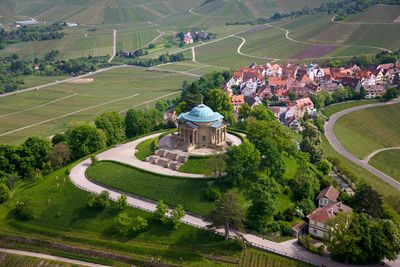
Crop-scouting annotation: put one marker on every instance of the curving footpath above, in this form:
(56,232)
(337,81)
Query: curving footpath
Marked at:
(334,142)
(50,257)
(124,154)
(368,158)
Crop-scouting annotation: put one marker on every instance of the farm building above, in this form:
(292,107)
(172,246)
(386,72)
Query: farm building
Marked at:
(22,23)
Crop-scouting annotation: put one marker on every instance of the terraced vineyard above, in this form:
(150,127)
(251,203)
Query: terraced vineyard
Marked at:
(254,258)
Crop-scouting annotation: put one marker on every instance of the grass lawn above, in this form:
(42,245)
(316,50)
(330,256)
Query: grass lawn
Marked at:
(364,131)
(331,109)
(173,191)
(114,90)
(199,165)
(387,162)
(145,149)
(61,215)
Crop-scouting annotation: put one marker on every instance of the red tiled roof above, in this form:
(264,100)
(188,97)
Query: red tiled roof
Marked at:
(237,99)
(275,80)
(326,213)
(330,193)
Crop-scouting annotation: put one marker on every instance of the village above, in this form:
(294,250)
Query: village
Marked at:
(288,89)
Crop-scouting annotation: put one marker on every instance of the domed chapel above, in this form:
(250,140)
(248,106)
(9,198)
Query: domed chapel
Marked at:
(202,127)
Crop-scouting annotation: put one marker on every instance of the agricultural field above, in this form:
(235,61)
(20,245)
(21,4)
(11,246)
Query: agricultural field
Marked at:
(376,14)
(51,109)
(365,131)
(254,258)
(387,162)
(173,191)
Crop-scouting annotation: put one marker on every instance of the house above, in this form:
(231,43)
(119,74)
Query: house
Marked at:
(373,91)
(387,66)
(253,101)
(301,106)
(299,229)
(318,220)
(327,196)
(188,39)
(354,83)
(237,101)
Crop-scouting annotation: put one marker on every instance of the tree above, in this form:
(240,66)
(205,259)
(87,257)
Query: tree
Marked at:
(244,111)
(242,162)
(176,215)
(162,105)
(139,224)
(355,238)
(85,139)
(137,123)
(262,113)
(362,93)
(227,214)
(292,96)
(113,126)
(220,101)
(161,212)
(122,202)
(59,155)
(34,153)
(324,166)
(4,193)
(123,223)
(306,206)
(99,202)
(368,200)
(263,202)
(391,93)
(217,164)
(312,148)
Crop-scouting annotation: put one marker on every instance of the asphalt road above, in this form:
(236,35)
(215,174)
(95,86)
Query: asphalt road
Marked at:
(334,142)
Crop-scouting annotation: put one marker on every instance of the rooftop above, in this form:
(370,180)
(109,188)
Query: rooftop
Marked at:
(201,113)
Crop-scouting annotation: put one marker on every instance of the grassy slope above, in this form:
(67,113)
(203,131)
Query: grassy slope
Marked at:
(377,13)
(61,213)
(331,109)
(200,165)
(385,189)
(107,86)
(388,162)
(174,191)
(145,149)
(365,131)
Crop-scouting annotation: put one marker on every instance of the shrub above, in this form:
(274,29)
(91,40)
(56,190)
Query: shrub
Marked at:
(324,166)
(285,229)
(94,159)
(99,202)
(288,214)
(24,211)
(139,224)
(4,193)
(161,211)
(212,193)
(306,241)
(122,202)
(176,215)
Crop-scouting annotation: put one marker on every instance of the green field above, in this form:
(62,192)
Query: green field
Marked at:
(173,191)
(365,131)
(145,149)
(388,162)
(200,165)
(376,14)
(49,110)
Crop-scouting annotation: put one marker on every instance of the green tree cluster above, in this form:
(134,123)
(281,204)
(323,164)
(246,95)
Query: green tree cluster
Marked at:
(99,201)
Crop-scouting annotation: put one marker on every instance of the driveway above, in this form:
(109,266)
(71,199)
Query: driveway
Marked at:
(334,142)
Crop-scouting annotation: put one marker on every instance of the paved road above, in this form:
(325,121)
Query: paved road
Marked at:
(368,158)
(124,153)
(49,257)
(340,149)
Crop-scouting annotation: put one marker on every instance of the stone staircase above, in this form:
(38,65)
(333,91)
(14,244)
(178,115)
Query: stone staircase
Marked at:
(168,159)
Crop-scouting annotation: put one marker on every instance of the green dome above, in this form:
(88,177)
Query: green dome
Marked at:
(201,113)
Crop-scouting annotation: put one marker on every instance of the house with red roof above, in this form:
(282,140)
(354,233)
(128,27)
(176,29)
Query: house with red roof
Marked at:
(237,101)
(318,226)
(327,196)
